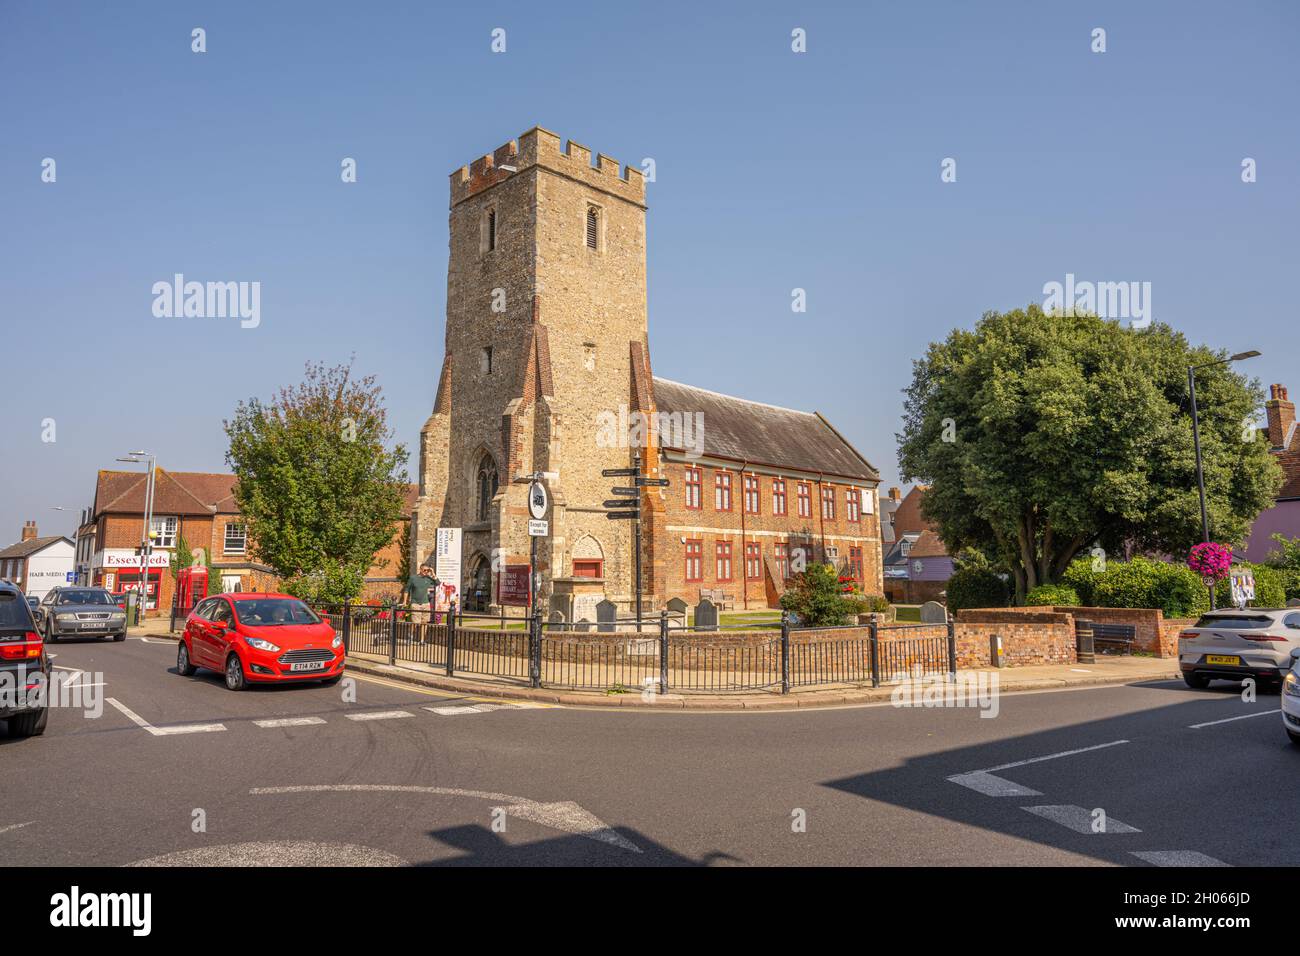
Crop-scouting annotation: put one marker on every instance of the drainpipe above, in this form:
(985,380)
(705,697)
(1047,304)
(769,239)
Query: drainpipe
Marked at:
(821,511)
(744,567)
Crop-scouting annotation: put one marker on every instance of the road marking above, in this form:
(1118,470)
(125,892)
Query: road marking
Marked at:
(290,722)
(16,826)
(454,711)
(563,815)
(1228,720)
(456,695)
(1078,819)
(164,731)
(380,715)
(1080,670)
(1178,858)
(985,782)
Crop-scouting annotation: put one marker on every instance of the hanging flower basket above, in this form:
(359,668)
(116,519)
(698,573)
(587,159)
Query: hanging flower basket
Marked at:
(1211,561)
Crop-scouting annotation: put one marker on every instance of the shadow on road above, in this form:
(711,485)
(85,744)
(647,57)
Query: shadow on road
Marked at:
(480,846)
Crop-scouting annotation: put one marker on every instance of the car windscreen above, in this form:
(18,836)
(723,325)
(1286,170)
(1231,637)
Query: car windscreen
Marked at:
(13,611)
(84,597)
(270,612)
(1234,622)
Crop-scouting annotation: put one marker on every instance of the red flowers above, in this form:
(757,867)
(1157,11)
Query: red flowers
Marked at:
(1210,560)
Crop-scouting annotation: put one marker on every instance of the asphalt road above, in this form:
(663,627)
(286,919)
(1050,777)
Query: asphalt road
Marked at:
(180,770)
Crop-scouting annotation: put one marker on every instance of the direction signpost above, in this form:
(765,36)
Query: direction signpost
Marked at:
(630,510)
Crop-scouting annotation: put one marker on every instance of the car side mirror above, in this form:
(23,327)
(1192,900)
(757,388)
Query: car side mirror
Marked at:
(1295,653)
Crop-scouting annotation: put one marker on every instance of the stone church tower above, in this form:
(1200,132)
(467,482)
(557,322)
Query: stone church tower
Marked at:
(546,329)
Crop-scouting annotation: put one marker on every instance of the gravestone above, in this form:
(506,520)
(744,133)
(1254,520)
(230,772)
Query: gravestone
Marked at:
(557,617)
(706,615)
(932,612)
(582,624)
(676,607)
(606,616)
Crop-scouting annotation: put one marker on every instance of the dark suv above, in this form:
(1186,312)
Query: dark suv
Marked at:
(80,612)
(24,666)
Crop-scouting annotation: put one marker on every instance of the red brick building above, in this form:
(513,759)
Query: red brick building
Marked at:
(1283,439)
(200,508)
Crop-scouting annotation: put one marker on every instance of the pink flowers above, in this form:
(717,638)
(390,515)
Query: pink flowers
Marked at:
(1210,560)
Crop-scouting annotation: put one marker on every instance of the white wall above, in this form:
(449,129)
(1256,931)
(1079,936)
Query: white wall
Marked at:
(49,567)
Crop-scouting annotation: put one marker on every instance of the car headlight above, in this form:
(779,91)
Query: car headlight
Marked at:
(1291,685)
(115,615)
(337,642)
(65,615)
(260,644)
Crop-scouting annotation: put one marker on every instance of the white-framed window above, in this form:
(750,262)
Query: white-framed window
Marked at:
(162,528)
(236,539)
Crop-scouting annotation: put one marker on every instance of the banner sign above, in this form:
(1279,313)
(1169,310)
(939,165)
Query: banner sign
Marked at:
(446,568)
(512,587)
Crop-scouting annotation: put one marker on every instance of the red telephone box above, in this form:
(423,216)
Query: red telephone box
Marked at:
(191,588)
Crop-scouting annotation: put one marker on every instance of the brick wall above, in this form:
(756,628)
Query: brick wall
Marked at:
(1029,636)
(1152,634)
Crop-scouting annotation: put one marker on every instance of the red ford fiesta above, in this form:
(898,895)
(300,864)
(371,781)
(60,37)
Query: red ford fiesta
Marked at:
(259,637)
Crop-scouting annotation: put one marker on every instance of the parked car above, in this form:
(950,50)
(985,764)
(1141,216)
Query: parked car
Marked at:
(1291,699)
(33,602)
(119,598)
(23,665)
(1237,644)
(259,638)
(80,612)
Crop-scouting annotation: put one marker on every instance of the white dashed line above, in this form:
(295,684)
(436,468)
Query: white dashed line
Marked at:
(290,722)
(984,781)
(380,715)
(1078,819)
(16,826)
(1178,858)
(1228,720)
(1063,753)
(164,731)
(458,709)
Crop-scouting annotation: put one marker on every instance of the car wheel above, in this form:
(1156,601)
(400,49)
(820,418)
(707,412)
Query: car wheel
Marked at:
(120,637)
(1295,738)
(183,665)
(1196,681)
(50,637)
(235,679)
(29,725)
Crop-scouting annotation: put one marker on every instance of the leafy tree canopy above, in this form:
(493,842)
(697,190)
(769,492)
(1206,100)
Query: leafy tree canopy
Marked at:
(1041,434)
(318,484)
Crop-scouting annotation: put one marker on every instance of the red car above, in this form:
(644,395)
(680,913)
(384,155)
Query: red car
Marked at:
(273,638)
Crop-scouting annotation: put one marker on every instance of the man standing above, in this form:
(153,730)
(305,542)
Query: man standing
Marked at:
(418,588)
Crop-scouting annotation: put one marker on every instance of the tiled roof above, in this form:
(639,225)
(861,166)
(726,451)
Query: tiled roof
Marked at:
(29,547)
(1290,462)
(929,545)
(740,430)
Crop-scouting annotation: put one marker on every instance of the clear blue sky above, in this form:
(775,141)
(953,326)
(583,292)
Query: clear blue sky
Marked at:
(775,171)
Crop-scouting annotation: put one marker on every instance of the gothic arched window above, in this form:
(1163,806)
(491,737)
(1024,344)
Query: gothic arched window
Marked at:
(487,488)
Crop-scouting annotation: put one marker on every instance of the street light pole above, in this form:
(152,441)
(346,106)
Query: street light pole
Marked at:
(146,537)
(1196,443)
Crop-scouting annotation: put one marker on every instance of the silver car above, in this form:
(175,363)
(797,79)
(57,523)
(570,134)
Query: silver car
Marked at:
(80,612)
(1237,644)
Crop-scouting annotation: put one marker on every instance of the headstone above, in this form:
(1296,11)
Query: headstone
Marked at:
(606,616)
(676,606)
(932,612)
(582,624)
(556,617)
(706,615)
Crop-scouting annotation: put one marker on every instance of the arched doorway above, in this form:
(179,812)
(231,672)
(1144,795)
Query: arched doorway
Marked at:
(478,592)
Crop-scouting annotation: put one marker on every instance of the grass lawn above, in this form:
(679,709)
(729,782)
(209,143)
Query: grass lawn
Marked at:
(908,612)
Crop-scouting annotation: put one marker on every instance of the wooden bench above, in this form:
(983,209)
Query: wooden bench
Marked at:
(723,600)
(1123,636)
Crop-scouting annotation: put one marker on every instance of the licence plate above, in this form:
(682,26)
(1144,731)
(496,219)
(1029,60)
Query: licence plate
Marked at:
(1223,659)
(93,626)
(308,666)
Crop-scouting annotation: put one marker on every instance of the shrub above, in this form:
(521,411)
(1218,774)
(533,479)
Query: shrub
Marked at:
(1173,588)
(1081,578)
(817,597)
(975,585)
(1049,595)
(1290,583)
(876,604)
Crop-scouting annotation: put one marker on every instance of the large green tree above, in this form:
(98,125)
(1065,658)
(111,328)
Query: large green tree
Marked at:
(1043,434)
(318,483)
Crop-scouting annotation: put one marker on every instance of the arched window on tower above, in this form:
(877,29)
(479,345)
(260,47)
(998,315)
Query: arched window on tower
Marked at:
(487,488)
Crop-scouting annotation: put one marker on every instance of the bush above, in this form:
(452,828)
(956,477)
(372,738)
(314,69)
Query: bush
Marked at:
(1290,583)
(875,604)
(1049,595)
(817,596)
(1081,578)
(1173,588)
(976,585)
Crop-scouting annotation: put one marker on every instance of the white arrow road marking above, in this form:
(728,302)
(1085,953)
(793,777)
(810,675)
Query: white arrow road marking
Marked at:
(984,781)
(1078,819)
(379,715)
(16,826)
(1228,720)
(1178,858)
(564,815)
(164,731)
(290,722)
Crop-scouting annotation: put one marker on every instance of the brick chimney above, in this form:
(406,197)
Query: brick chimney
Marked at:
(1281,415)
(29,527)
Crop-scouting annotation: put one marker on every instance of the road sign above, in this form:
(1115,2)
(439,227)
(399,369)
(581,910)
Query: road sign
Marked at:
(620,472)
(629,492)
(538,500)
(538,529)
(614,515)
(652,482)
(618,503)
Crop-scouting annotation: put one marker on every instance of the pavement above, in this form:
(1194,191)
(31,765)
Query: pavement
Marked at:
(174,770)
